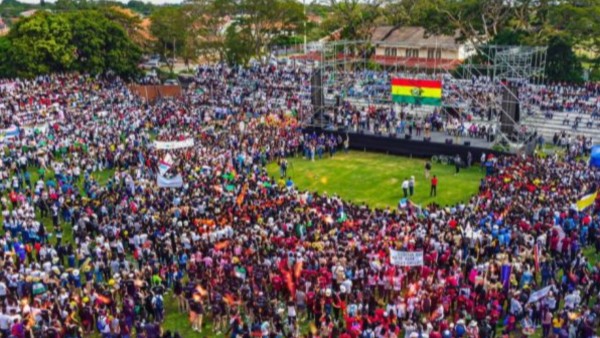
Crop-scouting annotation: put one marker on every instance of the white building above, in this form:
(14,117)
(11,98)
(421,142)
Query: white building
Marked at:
(411,47)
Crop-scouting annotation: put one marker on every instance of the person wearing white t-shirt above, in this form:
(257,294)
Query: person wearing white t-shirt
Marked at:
(405,186)
(4,324)
(3,290)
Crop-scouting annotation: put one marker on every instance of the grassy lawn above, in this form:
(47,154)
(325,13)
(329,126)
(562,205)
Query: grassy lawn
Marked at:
(376,178)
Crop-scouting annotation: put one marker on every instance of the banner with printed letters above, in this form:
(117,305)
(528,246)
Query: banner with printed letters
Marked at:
(406,258)
(174,144)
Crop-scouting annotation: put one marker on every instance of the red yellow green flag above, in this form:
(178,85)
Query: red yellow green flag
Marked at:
(413,91)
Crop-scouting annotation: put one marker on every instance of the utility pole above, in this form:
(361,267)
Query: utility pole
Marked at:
(304,6)
(173,66)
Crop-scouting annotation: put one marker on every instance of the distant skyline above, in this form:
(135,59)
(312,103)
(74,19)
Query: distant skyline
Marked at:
(154,2)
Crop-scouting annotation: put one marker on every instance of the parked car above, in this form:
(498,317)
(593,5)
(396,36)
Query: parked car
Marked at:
(151,64)
(172,82)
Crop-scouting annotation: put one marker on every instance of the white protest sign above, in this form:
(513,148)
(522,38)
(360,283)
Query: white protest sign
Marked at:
(174,144)
(406,258)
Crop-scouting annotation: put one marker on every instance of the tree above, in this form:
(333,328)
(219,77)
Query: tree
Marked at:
(41,44)
(357,18)
(84,41)
(144,8)
(169,27)
(238,46)
(263,20)
(69,5)
(130,22)
(5,48)
(406,12)
(562,64)
(210,33)
(102,44)
(477,21)
(580,22)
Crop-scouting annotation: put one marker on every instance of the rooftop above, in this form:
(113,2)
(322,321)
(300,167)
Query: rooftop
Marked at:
(413,37)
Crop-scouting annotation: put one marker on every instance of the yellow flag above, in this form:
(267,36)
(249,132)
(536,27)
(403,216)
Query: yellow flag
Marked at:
(586,201)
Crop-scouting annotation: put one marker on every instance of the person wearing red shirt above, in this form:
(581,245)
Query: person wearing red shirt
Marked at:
(434,183)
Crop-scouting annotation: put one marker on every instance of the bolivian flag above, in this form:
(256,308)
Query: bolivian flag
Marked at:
(413,91)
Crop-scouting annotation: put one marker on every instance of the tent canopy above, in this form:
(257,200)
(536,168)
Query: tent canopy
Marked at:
(595,157)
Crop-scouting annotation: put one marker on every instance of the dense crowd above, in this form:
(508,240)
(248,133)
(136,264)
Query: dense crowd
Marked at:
(93,245)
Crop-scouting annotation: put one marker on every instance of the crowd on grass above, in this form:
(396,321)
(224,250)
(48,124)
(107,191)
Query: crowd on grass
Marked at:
(243,254)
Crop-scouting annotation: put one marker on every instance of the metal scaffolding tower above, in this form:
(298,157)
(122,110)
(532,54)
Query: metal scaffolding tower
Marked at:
(505,71)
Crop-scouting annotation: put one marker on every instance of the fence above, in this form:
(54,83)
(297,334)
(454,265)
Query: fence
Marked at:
(153,92)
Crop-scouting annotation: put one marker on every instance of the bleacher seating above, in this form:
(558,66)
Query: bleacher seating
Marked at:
(548,127)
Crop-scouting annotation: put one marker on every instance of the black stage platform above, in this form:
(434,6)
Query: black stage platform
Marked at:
(412,147)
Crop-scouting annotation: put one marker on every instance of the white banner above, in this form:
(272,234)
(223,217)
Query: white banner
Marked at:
(9,86)
(539,294)
(174,144)
(173,182)
(406,258)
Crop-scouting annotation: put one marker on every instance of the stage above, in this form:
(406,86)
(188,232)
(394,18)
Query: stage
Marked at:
(415,146)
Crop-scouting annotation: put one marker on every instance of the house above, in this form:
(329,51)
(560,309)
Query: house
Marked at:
(3,28)
(412,47)
(28,13)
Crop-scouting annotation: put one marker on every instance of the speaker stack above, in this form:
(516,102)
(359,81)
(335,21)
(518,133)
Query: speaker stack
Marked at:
(510,107)
(317,98)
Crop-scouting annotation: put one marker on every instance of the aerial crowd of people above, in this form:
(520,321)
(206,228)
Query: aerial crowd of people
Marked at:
(96,243)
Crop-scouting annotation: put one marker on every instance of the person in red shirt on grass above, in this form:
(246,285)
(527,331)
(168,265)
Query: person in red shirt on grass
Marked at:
(434,183)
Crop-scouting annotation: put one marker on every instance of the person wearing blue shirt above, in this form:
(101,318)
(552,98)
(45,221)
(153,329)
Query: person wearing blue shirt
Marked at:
(28,179)
(526,278)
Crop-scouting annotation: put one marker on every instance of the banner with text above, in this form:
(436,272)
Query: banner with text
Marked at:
(174,144)
(9,133)
(539,294)
(406,258)
(173,182)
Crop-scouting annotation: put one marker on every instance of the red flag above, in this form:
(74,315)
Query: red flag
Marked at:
(536,255)
(230,299)
(221,245)
(289,282)
(103,299)
(242,195)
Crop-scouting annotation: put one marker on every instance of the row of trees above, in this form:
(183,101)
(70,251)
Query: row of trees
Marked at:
(198,28)
(566,26)
(84,40)
(94,36)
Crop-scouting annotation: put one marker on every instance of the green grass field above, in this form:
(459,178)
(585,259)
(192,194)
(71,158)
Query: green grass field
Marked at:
(376,178)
